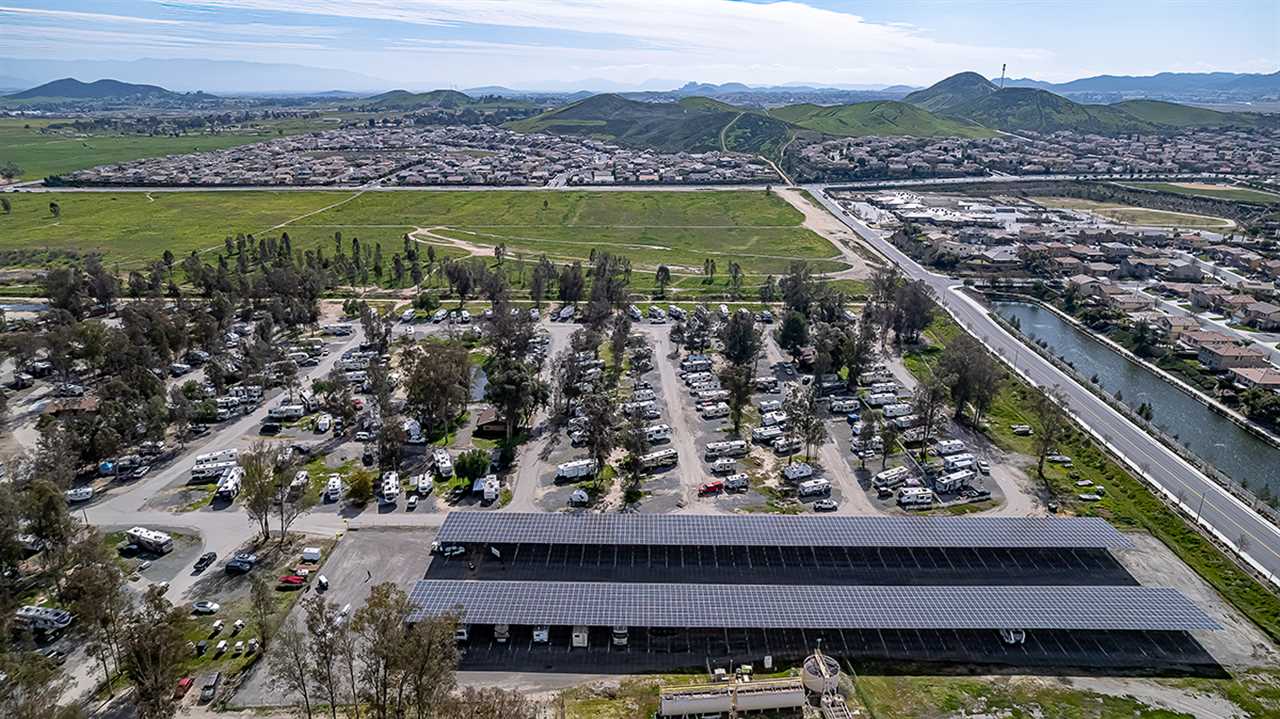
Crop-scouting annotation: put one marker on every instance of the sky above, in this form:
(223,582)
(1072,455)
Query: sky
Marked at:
(560,44)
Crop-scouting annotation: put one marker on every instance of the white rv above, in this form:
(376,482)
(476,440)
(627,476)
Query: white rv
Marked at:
(443,462)
(657,432)
(949,446)
(730,448)
(661,458)
(576,469)
(814,487)
(915,497)
(770,419)
(957,462)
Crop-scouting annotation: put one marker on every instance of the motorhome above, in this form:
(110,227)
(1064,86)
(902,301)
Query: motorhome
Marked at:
(150,540)
(770,405)
(786,444)
(424,484)
(736,482)
(814,488)
(730,448)
(892,478)
(766,434)
(443,462)
(42,619)
(657,432)
(770,419)
(896,410)
(226,455)
(843,405)
(713,411)
(390,487)
(576,469)
(333,490)
(953,481)
(957,462)
(880,399)
(660,458)
(915,497)
(287,412)
(229,484)
(797,471)
(713,395)
(949,446)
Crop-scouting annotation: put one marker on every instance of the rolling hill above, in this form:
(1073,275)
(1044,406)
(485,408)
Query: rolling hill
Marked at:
(1174,115)
(405,100)
(1026,108)
(876,118)
(953,91)
(72,89)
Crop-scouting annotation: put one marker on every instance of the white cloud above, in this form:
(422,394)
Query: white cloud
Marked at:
(712,39)
(73,15)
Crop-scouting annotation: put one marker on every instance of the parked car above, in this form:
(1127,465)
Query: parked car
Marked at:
(205,606)
(140,472)
(205,560)
(825,505)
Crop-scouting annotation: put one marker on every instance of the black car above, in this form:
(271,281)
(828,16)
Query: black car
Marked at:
(238,566)
(270,428)
(205,560)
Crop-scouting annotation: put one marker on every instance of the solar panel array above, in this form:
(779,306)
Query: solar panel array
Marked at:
(715,606)
(780,531)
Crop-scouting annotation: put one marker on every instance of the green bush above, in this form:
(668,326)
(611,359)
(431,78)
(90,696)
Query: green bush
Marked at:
(472,464)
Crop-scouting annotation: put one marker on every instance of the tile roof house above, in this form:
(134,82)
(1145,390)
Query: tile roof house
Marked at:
(1260,377)
(1224,357)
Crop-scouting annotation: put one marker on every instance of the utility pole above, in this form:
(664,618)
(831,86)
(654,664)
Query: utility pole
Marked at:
(1002,68)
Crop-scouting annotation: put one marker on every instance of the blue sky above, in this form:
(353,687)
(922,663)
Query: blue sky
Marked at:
(557,43)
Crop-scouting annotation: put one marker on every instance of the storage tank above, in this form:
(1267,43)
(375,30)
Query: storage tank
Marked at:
(821,673)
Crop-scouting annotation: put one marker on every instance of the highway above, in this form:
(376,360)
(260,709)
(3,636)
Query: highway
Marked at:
(1255,539)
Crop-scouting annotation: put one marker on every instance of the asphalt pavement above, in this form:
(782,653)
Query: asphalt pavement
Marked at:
(1233,522)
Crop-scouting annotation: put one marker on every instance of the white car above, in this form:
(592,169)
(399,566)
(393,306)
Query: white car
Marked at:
(324,423)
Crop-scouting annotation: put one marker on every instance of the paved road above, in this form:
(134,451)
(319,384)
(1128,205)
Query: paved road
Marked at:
(1230,519)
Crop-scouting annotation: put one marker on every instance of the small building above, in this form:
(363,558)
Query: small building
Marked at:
(1256,377)
(1262,315)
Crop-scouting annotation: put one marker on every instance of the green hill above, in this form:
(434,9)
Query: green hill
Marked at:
(876,118)
(73,89)
(951,92)
(1025,108)
(405,100)
(1174,115)
(694,124)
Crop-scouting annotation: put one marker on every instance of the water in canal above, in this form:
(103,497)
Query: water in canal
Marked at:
(1210,436)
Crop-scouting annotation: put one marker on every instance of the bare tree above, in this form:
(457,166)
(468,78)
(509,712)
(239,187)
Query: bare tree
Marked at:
(288,664)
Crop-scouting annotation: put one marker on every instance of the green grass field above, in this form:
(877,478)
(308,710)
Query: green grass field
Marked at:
(760,231)
(1217,192)
(40,155)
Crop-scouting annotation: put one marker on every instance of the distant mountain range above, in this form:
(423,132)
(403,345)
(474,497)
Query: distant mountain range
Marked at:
(70,88)
(1173,84)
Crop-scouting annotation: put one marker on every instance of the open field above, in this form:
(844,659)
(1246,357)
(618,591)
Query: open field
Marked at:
(1217,192)
(1138,215)
(760,231)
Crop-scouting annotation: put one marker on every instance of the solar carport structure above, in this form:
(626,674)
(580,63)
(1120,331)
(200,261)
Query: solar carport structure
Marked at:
(784,550)
(690,589)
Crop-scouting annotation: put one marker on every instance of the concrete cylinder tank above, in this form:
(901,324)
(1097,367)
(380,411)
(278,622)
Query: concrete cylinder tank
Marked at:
(821,673)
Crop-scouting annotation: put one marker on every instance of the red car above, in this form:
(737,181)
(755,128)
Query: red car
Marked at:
(292,580)
(715,487)
(184,684)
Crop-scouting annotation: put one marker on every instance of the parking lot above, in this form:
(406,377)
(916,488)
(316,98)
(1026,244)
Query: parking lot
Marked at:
(361,560)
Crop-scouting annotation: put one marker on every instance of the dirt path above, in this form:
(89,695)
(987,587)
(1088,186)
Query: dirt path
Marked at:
(678,410)
(822,222)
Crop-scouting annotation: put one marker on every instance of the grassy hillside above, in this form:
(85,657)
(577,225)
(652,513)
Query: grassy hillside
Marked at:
(1024,108)
(955,90)
(876,118)
(693,124)
(405,100)
(1175,115)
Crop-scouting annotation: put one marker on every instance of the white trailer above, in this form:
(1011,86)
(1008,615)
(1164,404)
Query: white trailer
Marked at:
(333,490)
(949,446)
(896,410)
(953,481)
(661,458)
(770,419)
(226,455)
(891,478)
(957,462)
(576,469)
(736,482)
(730,448)
(713,395)
(713,411)
(723,466)
(915,497)
(766,434)
(287,412)
(842,405)
(210,470)
(443,462)
(229,484)
(880,399)
(786,445)
(814,487)
(657,432)
(797,471)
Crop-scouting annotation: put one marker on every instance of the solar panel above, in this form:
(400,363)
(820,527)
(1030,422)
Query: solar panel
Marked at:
(780,531)
(810,607)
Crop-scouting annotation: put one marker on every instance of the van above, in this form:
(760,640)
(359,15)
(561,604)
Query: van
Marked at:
(814,487)
(580,637)
(957,462)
